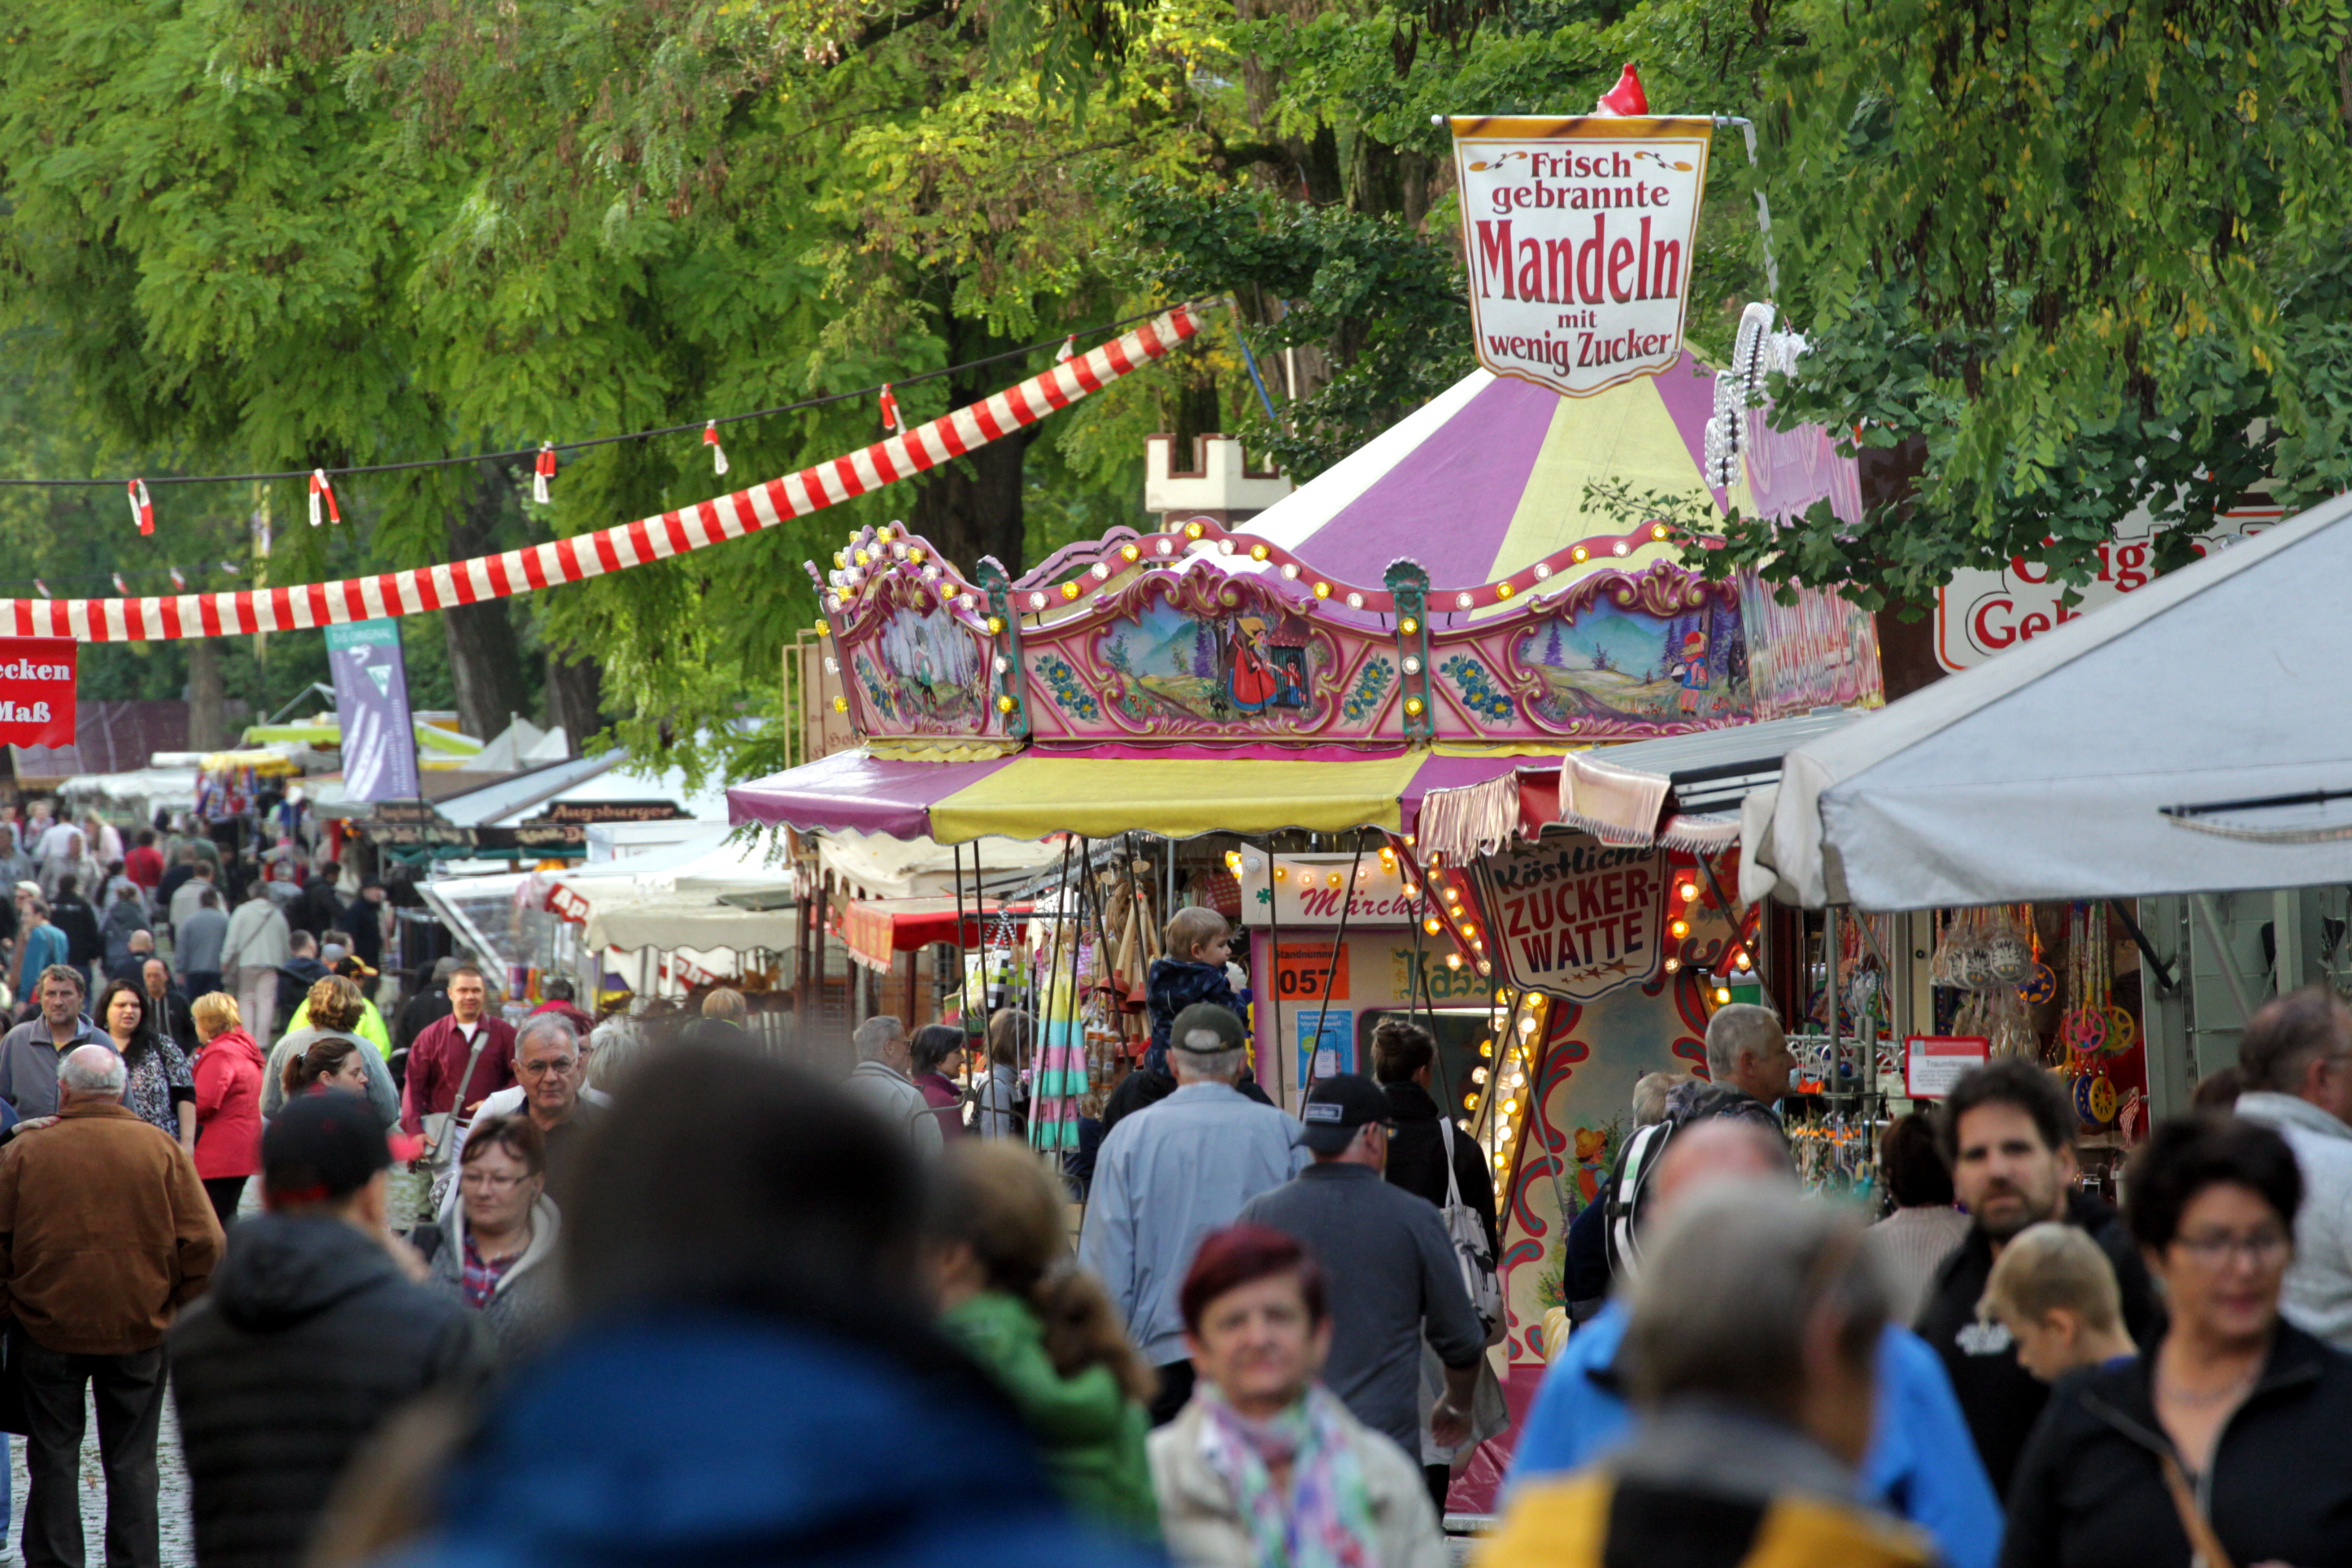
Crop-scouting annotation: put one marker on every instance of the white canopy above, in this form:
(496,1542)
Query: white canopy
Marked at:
(2184,738)
(669,897)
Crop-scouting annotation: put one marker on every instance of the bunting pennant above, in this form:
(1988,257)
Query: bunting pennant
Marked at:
(119,585)
(718,452)
(230,567)
(1070,346)
(42,586)
(321,490)
(890,420)
(179,581)
(143,506)
(615,549)
(543,472)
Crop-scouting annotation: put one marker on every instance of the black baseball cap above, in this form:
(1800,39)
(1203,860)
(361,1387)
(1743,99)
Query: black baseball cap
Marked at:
(1337,1107)
(1206,1028)
(322,1147)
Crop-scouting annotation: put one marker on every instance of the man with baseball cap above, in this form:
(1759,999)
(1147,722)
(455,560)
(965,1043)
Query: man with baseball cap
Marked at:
(1168,1175)
(1392,1270)
(315,1331)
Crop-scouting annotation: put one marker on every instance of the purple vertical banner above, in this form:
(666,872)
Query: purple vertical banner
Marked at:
(372,702)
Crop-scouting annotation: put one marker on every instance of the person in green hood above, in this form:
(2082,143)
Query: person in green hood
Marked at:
(1010,1295)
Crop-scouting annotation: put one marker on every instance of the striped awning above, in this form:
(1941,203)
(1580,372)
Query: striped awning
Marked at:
(1179,795)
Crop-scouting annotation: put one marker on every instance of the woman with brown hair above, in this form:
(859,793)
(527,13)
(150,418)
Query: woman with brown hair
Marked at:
(161,1091)
(335,1008)
(497,1254)
(1012,1298)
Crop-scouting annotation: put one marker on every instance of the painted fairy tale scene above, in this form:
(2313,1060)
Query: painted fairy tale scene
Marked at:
(1213,667)
(1610,662)
(923,672)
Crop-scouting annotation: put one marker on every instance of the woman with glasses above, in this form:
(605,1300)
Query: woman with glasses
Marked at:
(499,1256)
(2223,1443)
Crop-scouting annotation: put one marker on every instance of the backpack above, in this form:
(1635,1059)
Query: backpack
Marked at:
(1467,1232)
(1629,1181)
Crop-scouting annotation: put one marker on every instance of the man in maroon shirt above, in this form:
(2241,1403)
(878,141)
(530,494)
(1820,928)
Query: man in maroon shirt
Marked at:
(144,866)
(438,1058)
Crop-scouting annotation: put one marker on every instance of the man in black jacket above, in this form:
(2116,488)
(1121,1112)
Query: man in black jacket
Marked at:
(1404,1058)
(71,913)
(2009,1133)
(312,1335)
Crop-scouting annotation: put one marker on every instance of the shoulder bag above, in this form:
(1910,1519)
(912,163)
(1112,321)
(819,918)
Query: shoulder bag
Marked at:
(441,1126)
(1467,1232)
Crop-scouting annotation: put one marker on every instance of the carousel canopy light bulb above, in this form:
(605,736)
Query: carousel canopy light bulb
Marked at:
(1129,553)
(1167,547)
(995,626)
(1617,549)
(1259,553)
(916,556)
(1680,928)
(1410,840)
(1722,996)
(1672,965)
(1101,570)
(1412,665)
(1657,531)
(1036,601)
(1003,664)
(832,664)
(1581,554)
(1069,590)
(1005,705)
(841,704)
(1432,925)
(1408,889)
(1290,571)
(1543,571)
(1462,601)
(1408,625)
(1192,530)
(1355,601)
(1413,706)
(1334,879)
(1253,862)
(1282,873)
(1322,590)
(1688,892)
(1504,590)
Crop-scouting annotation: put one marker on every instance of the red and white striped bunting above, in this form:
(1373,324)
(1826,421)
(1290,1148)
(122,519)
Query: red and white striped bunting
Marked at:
(615,549)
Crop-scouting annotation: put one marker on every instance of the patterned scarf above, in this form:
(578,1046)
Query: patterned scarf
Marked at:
(1325,1520)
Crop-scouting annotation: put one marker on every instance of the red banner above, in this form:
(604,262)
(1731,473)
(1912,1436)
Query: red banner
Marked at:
(37,690)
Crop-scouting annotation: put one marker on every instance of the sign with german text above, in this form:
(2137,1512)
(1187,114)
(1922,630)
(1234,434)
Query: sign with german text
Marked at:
(1932,1064)
(1305,971)
(379,737)
(1579,236)
(37,690)
(1575,917)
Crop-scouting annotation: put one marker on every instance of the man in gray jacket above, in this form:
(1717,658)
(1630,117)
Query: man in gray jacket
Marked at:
(2296,1056)
(1394,1271)
(879,1081)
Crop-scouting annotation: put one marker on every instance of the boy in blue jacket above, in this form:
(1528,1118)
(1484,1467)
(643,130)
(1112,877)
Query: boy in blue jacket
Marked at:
(1198,942)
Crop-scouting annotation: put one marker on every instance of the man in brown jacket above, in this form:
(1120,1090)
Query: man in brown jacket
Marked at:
(104,1232)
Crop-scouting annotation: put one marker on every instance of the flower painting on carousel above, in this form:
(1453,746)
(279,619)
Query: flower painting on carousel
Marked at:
(1653,653)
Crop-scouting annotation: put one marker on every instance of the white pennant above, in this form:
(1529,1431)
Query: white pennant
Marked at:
(718,452)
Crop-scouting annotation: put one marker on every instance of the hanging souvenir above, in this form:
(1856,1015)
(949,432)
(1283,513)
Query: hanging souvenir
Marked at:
(2094,1101)
(2083,1026)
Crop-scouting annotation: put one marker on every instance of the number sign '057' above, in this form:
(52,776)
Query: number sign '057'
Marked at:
(1579,236)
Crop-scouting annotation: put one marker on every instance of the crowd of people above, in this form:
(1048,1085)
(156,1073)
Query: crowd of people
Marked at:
(467,1287)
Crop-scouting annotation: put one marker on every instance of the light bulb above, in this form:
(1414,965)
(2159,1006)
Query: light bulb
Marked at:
(1290,571)
(1129,553)
(1672,965)
(1462,601)
(1408,625)
(1453,959)
(1003,664)
(1543,571)
(1355,601)
(1469,1102)
(1581,554)
(1259,553)
(1485,1048)
(1680,928)
(1282,873)
(1689,891)
(1192,530)
(1478,1075)
(1412,665)
(1432,925)
(1510,1108)
(1322,590)
(1722,996)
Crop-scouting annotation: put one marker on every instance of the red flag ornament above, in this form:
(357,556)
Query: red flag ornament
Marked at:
(121,586)
(321,489)
(718,452)
(143,506)
(890,420)
(179,582)
(1626,100)
(543,472)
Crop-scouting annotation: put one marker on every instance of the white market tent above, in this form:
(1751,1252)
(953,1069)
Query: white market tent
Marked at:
(2194,736)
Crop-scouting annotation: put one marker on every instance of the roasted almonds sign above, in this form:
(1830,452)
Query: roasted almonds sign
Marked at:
(1579,236)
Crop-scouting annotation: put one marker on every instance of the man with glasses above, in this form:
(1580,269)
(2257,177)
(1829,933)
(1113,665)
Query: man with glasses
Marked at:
(2008,1130)
(1393,1273)
(2296,1056)
(552,1090)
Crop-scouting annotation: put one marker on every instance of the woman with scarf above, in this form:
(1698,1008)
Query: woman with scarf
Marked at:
(1265,1468)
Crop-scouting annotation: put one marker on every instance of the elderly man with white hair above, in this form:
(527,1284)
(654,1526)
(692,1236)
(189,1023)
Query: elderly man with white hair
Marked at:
(1921,1463)
(105,1232)
(552,1085)
(1748,1068)
(882,1081)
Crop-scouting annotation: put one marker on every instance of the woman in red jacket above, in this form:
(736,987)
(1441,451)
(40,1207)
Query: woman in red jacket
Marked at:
(228,1072)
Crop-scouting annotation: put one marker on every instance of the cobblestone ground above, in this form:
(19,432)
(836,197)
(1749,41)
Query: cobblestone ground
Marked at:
(178,1550)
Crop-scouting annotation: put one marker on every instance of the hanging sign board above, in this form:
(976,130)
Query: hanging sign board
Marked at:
(1304,972)
(1313,890)
(1579,235)
(1932,1064)
(37,690)
(1575,917)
